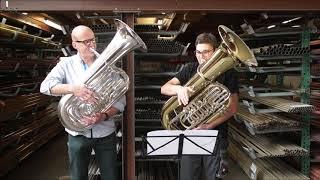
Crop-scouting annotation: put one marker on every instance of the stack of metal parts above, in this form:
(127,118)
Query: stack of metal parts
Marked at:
(315,172)
(262,146)
(267,168)
(275,110)
(27,119)
(11,35)
(13,65)
(282,50)
(149,81)
(156,170)
(315,69)
(163,46)
(265,123)
(315,145)
(98,28)
(315,116)
(315,55)
(281,104)
(153,68)
(163,68)
(147,119)
(151,99)
(146,28)
(315,101)
(93,172)
(149,114)
(19,138)
(18,105)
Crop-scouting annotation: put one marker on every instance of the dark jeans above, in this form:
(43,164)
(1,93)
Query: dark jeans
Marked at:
(80,148)
(192,167)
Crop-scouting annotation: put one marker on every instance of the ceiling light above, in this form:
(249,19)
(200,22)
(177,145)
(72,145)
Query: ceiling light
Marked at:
(160,23)
(52,24)
(24,13)
(296,26)
(272,26)
(290,20)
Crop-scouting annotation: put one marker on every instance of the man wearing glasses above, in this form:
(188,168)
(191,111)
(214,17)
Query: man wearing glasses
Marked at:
(192,166)
(64,79)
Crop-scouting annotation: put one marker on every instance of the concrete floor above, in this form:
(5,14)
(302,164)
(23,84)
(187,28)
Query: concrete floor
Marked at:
(51,162)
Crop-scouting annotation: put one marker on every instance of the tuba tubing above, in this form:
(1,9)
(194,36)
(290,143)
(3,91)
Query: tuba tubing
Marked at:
(107,81)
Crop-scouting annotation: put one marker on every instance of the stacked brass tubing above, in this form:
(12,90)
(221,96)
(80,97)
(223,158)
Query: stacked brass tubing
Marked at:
(12,34)
(265,146)
(281,104)
(267,168)
(268,121)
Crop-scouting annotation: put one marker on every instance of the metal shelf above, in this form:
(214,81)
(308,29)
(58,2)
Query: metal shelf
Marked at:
(151,102)
(148,120)
(274,34)
(269,69)
(157,54)
(266,58)
(265,92)
(157,74)
(315,160)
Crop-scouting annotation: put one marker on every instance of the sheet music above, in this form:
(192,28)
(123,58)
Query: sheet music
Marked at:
(207,143)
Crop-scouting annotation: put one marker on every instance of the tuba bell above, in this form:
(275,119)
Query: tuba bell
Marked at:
(210,99)
(107,81)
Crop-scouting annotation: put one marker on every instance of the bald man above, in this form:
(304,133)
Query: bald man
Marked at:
(64,79)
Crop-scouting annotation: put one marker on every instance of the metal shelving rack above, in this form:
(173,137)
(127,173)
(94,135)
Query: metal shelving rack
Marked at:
(149,99)
(304,91)
(28,50)
(305,98)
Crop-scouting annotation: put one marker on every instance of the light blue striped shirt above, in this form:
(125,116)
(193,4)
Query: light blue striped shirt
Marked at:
(70,71)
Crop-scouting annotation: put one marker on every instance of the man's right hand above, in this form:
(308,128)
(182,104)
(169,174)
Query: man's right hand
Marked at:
(84,93)
(183,95)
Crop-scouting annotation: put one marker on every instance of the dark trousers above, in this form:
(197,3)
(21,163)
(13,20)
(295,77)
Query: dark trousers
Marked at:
(192,167)
(80,148)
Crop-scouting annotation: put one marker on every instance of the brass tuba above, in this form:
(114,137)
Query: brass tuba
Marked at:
(210,99)
(107,81)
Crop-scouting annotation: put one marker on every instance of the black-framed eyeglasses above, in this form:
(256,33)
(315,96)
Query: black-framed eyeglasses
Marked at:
(87,41)
(204,52)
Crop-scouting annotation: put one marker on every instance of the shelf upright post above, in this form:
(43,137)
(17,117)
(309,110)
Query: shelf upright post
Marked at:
(305,98)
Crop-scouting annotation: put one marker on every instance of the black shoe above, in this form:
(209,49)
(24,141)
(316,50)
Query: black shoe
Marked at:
(223,170)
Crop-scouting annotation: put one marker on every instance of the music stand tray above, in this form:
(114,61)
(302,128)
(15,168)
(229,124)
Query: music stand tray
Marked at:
(178,143)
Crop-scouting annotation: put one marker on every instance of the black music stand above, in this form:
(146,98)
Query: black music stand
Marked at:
(179,143)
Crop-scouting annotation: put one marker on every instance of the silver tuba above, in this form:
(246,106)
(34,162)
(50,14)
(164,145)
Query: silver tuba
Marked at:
(107,81)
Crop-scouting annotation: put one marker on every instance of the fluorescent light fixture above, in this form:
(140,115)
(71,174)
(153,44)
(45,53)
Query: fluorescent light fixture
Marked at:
(272,26)
(78,15)
(290,20)
(52,24)
(24,13)
(160,23)
(296,26)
